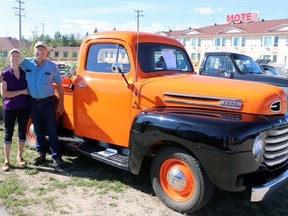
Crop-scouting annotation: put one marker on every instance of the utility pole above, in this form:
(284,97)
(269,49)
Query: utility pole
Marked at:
(18,12)
(138,15)
(43,30)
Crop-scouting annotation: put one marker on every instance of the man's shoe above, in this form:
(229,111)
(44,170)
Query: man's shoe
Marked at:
(60,163)
(20,161)
(6,167)
(39,160)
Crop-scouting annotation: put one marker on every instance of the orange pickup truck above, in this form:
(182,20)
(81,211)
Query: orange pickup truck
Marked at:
(135,96)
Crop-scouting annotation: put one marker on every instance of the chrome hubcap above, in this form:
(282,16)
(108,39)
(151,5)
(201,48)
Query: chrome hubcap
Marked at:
(176,179)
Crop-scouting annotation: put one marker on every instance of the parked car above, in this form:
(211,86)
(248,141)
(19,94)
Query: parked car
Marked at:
(270,70)
(238,66)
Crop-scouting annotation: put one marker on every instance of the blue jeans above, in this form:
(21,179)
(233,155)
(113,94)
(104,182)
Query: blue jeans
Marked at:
(43,116)
(9,118)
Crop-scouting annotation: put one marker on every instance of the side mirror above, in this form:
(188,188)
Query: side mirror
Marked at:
(117,67)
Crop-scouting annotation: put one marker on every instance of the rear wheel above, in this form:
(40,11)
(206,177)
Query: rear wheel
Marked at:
(179,181)
(30,135)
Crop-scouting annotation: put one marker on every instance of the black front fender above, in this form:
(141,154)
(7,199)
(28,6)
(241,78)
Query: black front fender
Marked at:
(196,130)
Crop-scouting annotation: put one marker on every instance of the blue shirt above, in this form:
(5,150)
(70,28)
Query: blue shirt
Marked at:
(40,79)
(14,84)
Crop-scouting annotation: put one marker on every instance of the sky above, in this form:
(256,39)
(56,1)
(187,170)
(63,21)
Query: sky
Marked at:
(82,17)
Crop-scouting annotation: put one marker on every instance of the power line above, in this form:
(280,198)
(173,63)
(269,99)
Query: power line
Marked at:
(18,12)
(138,15)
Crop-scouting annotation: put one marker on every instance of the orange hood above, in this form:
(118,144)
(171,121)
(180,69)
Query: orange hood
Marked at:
(212,93)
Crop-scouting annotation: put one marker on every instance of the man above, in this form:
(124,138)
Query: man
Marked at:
(40,75)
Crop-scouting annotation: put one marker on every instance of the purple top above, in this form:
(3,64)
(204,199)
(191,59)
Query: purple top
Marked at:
(14,84)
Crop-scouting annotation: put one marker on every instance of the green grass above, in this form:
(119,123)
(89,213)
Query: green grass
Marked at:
(14,192)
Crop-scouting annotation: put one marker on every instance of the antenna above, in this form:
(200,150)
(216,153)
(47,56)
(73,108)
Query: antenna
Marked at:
(18,12)
(138,15)
(43,35)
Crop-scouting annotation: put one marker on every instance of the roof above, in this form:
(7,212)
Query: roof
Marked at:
(8,43)
(255,27)
(131,37)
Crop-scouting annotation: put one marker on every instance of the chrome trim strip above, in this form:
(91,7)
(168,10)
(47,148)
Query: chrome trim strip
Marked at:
(198,96)
(200,104)
(229,103)
(262,191)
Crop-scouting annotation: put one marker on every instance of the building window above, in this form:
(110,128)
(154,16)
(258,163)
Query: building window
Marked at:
(5,54)
(243,41)
(223,42)
(65,54)
(194,42)
(267,57)
(56,54)
(193,56)
(274,58)
(266,41)
(217,41)
(276,41)
(287,41)
(184,42)
(199,42)
(236,41)
(74,54)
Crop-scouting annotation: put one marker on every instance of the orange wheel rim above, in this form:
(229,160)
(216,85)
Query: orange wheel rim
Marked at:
(177,180)
(30,131)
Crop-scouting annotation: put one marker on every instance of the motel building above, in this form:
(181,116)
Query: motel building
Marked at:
(242,33)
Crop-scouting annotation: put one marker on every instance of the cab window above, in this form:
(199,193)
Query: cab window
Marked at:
(101,57)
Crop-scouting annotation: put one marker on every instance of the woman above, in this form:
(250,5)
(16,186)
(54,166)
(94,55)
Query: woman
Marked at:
(15,106)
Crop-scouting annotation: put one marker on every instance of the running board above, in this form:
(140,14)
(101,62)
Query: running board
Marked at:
(106,155)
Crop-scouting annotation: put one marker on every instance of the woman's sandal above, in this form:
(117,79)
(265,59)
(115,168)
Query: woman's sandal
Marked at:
(21,161)
(6,167)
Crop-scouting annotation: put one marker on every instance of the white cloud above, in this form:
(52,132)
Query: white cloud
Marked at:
(206,10)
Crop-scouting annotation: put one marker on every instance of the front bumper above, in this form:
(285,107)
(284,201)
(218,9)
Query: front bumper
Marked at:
(261,192)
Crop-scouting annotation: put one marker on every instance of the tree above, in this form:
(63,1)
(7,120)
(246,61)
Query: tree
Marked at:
(72,41)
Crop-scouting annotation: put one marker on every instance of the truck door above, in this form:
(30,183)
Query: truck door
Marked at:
(102,101)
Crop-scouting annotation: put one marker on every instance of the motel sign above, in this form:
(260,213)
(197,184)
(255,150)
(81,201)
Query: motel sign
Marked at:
(243,17)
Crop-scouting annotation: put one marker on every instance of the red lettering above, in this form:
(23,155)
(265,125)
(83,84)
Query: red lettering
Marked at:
(249,17)
(243,16)
(237,17)
(229,18)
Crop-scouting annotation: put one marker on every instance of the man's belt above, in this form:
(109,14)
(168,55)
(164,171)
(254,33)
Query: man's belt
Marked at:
(43,99)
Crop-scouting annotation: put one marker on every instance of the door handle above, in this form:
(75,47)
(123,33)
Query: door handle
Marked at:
(81,85)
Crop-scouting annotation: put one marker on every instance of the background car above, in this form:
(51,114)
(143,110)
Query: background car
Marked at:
(270,70)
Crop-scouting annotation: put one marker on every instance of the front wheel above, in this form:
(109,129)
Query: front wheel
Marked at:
(179,181)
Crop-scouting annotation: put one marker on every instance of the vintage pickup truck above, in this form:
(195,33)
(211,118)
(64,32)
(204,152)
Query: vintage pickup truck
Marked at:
(136,96)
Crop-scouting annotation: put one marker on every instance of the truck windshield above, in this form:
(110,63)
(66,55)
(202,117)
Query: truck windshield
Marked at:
(158,57)
(246,64)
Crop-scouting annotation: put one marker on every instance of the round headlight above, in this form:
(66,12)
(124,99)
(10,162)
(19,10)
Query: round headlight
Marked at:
(258,148)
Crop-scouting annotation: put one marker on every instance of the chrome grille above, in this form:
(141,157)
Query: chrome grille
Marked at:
(276,146)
